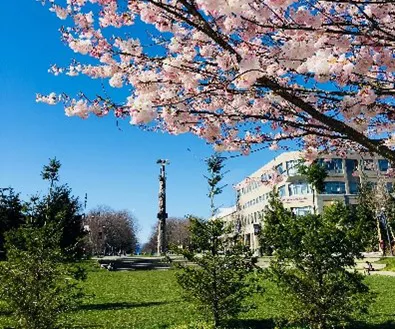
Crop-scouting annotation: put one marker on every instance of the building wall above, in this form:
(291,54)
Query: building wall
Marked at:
(228,215)
(296,194)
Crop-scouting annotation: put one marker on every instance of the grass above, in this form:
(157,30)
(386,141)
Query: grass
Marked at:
(152,300)
(389,262)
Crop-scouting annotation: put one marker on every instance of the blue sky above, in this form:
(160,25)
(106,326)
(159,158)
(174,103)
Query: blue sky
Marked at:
(114,167)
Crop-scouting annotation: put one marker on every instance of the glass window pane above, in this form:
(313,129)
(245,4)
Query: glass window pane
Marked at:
(281,191)
(335,188)
(383,165)
(292,167)
(280,169)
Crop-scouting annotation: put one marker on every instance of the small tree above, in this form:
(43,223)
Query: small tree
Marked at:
(61,207)
(315,175)
(218,283)
(215,165)
(312,258)
(50,172)
(36,282)
(11,214)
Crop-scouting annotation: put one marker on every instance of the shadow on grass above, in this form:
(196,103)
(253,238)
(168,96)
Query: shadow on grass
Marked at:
(5,313)
(252,324)
(117,306)
(384,325)
(270,324)
(86,326)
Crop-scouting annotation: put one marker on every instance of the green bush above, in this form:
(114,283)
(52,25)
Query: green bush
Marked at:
(221,281)
(36,284)
(313,257)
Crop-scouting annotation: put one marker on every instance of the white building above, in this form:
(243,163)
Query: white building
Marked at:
(341,185)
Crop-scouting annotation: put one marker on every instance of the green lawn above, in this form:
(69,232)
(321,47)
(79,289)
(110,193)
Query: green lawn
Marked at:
(389,262)
(152,300)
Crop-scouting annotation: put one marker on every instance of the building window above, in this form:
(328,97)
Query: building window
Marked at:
(266,177)
(292,167)
(390,187)
(354,188)
(301,211)
(383,165)
(351,165)
(281,191)
(333,165)
(335,188)
(280,169)
(299,188)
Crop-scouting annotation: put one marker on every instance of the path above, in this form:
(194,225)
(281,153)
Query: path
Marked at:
(160,263)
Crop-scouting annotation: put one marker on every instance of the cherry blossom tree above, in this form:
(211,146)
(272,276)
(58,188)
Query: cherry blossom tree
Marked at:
(239,73)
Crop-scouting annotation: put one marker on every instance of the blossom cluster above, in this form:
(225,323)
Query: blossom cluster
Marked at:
(243,72)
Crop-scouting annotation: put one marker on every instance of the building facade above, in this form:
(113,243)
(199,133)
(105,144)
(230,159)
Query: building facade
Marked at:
(342,184)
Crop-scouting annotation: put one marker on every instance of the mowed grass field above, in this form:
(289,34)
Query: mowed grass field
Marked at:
(152,300)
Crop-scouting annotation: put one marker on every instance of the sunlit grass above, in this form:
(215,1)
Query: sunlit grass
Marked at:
(152,300)
(389,262)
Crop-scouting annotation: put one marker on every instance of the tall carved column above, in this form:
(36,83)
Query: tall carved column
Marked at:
(162,215)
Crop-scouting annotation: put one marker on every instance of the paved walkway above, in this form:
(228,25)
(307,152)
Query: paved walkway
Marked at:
(160,263)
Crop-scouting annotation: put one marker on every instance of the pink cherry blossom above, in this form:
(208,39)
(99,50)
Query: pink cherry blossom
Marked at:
(240,72)
(51,99)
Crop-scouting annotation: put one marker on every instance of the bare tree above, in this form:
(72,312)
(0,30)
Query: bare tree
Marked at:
(177,233)
(111,231)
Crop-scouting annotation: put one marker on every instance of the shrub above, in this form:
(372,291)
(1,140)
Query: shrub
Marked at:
(220,282)
(313,255)
(35,282)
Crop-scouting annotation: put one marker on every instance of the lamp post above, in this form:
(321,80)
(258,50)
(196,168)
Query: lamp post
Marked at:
(162,215)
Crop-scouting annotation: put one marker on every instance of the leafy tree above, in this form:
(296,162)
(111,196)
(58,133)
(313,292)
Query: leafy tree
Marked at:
(59,206)
(62,208)
(315,175)
(37,284)
(215,165)
(239,73)
(50,172)
(313,255)
(11,214)
(220,283)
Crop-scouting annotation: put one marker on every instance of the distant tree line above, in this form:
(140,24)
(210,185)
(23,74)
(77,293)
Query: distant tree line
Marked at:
(78,232)
(111,232)
(177,234)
